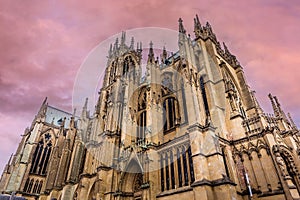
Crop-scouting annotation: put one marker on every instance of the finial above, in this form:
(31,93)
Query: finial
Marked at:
(84,113)
(164,55)
(197,21)
(209,29)
(139,49)
(132,43)
(123,38)
(74,112)
(157,60)
(197,26)
(72,122)
(292,121)
(208,25)
(277,102)
(225,48)
(110,50)
(151,53)
(281,112)
(86,103)
(61,122)
(275,109)
(151,44)
(139,45)
(116,43)
(181,28)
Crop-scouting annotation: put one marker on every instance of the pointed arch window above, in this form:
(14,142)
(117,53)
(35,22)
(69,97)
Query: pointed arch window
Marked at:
(204,96)
(36,157)
(30,186)
(125,66)
(26,185)
(40,187)
(169,115)
(142,125)
(185,167)
(172,170)
(162,177)
(179,167)
(45,158)
(167,172)
(190,158)
(35,186)
(179,159)
(41,156)
(142,114)
(128,63)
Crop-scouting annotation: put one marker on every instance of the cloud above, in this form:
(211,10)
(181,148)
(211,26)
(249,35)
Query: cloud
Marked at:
(44,43)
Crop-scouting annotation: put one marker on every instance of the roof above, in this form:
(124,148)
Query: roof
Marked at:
(56,116)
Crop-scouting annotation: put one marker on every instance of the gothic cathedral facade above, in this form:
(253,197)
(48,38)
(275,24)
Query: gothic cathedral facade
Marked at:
(190,128)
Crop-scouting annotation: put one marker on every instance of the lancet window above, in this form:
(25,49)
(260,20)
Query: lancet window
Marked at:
(41,156)
(176,168)
(142,115)
(169,115)
(33,186)
(128,64)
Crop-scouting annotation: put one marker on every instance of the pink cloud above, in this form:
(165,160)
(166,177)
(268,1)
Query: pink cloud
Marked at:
(44,43)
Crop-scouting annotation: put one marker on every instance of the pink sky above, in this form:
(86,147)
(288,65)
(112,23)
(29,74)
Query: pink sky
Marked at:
(44,42)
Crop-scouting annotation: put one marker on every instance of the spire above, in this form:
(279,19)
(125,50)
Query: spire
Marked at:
(208,27)
(164,55)
(123,38)
(110,50)
(226,48)
(72,122)
(116,45)
(181,28)
(86,103)
(282,114)
(132,43)
(84,113)
(139,46)
(277,103)
(74,112)
(258,107)
(151,58)
(139,49)
(197,26)
(292,121)
(210,32)
(275,109)
(197,22)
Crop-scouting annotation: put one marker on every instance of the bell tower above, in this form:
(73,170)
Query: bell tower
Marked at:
(123,71)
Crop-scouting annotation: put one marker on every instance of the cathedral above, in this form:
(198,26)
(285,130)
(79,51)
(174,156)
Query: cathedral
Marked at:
(190,127)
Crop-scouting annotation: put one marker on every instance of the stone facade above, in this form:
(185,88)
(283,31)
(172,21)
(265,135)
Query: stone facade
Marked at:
(191,128)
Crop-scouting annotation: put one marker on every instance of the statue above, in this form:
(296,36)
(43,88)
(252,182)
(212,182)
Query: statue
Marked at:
(281,164)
